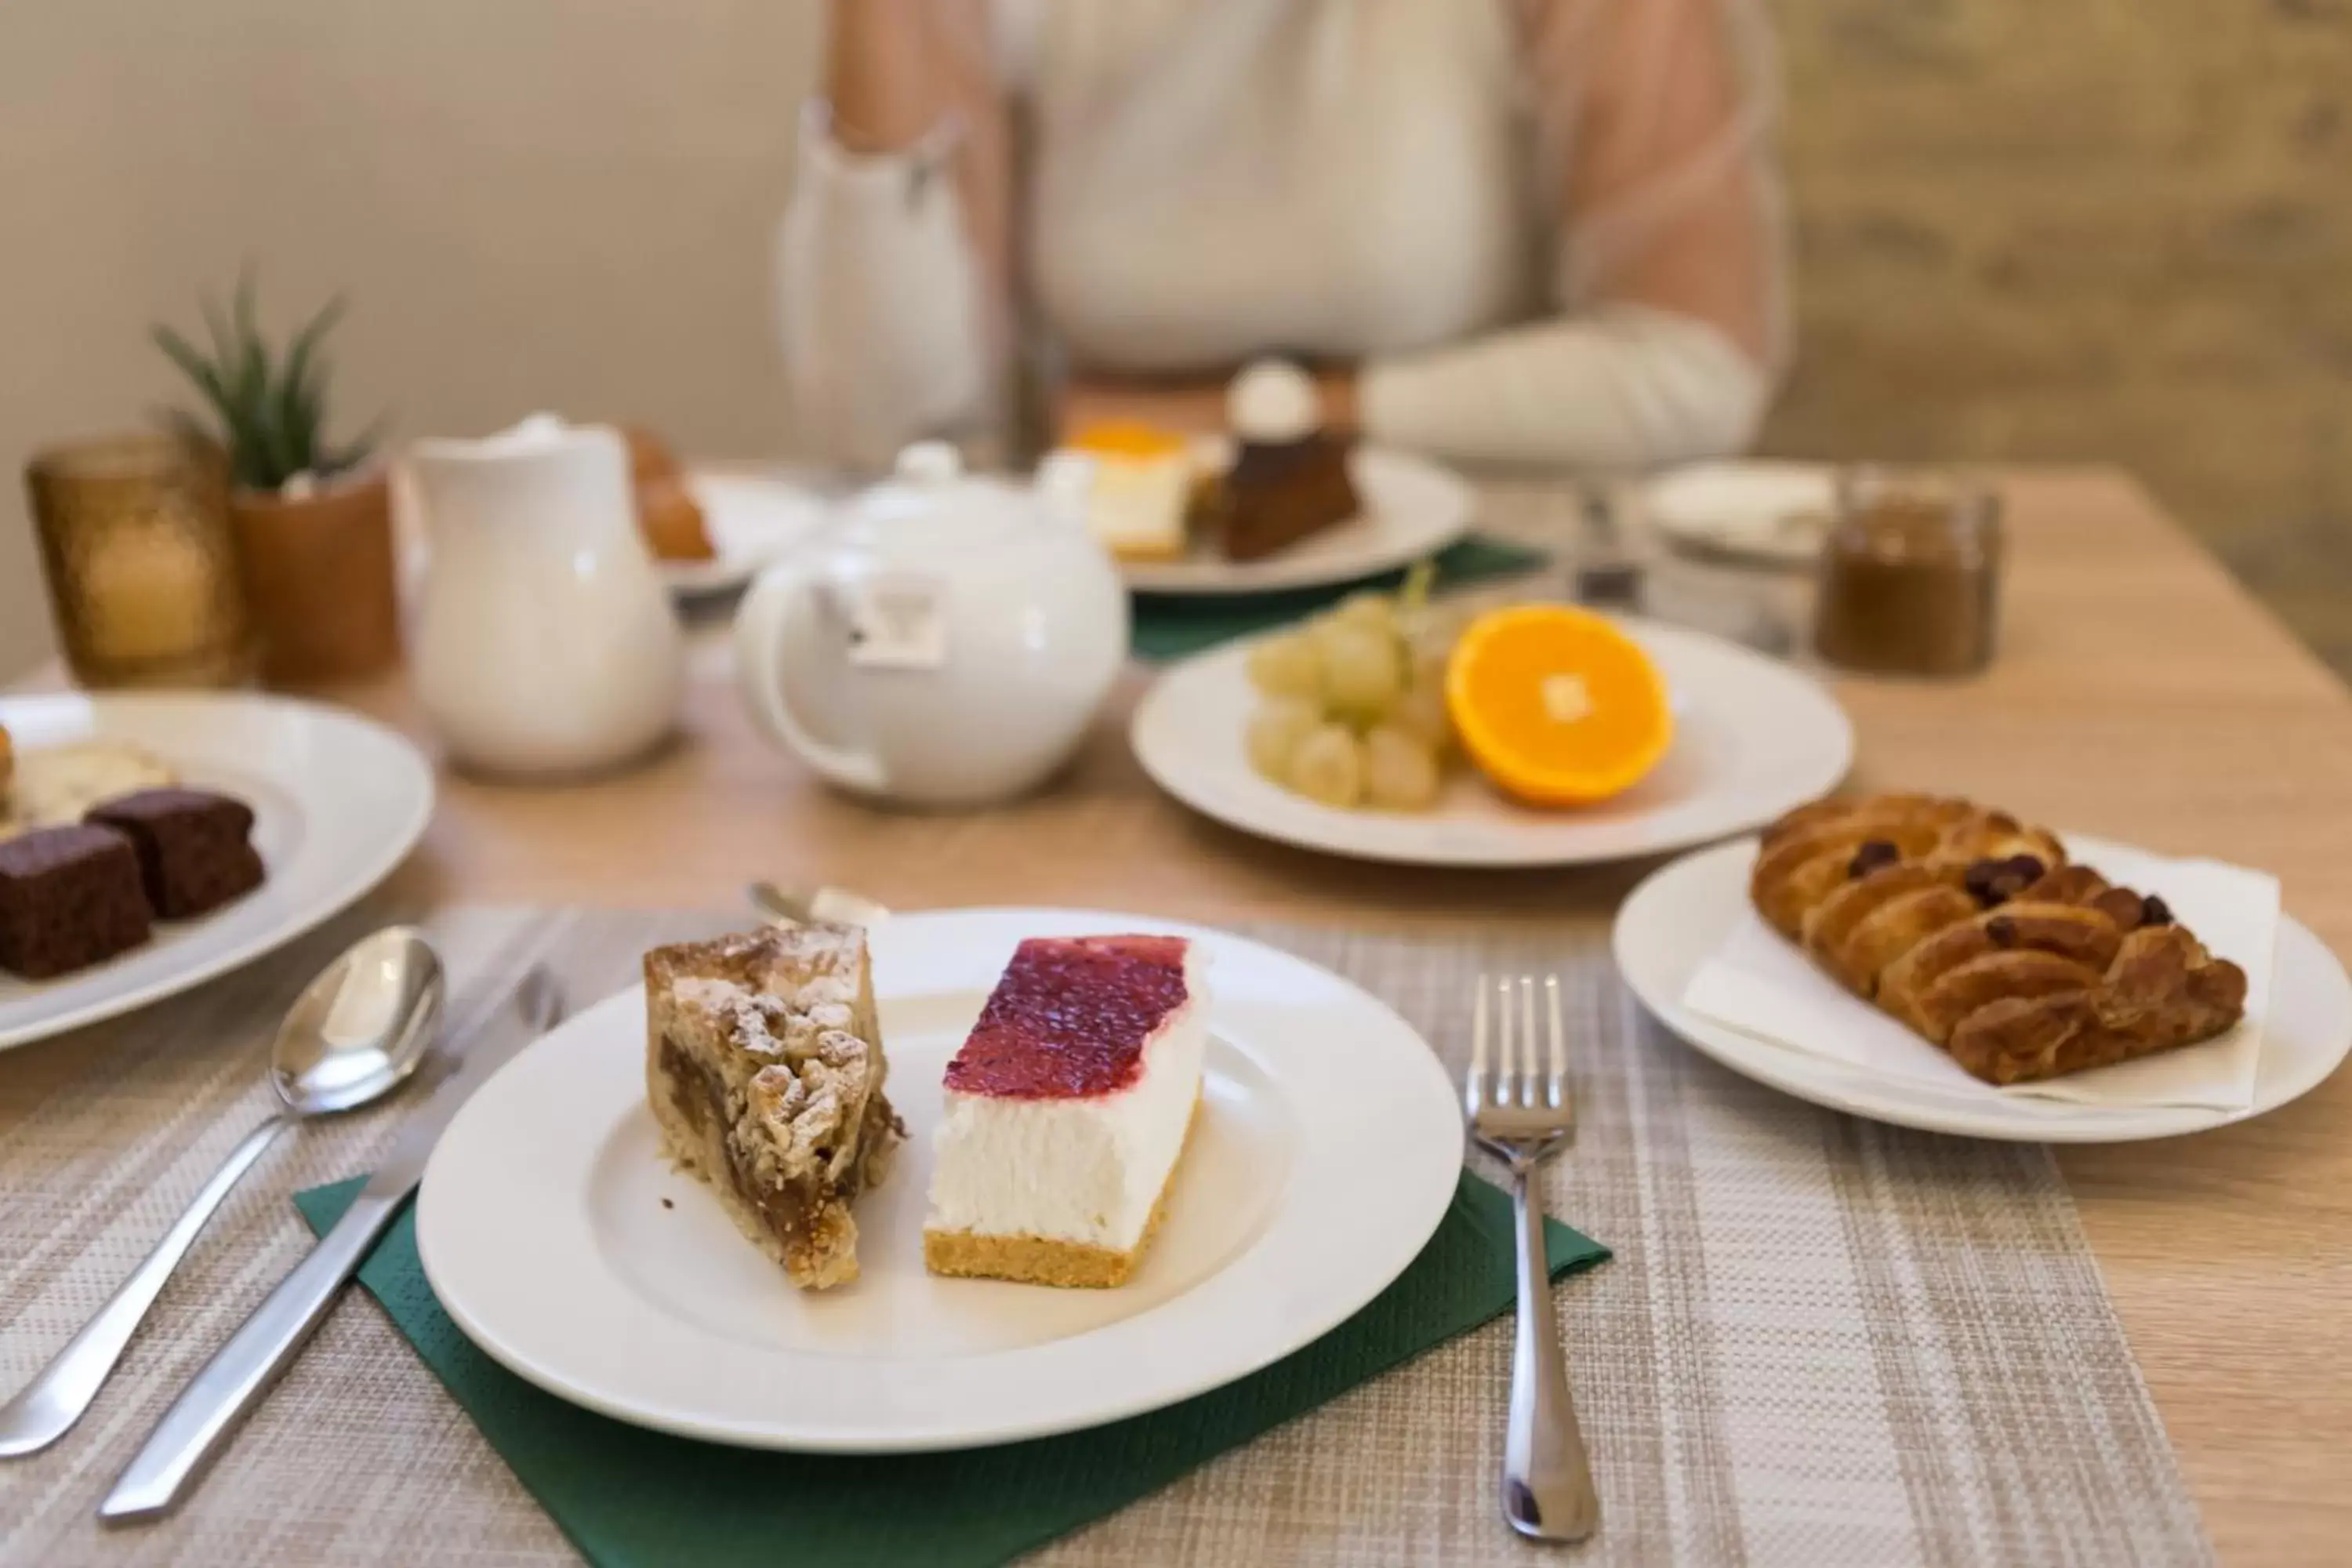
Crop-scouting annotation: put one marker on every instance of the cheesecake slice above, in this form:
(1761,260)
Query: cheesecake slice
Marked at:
(1140,491)
(764,1069)
(1067,1107)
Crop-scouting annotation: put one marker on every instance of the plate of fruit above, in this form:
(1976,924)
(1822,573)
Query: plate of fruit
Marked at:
(1396,728)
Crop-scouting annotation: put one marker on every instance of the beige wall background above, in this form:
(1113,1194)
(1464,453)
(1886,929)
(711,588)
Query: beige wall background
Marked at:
(2111,228)
(2101,229)
(530,202)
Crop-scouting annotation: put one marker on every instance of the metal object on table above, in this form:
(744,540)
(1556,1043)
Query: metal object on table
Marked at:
(141,566)
(353,1035)
(197,1426)
(824,905)
(1523,1114)
(1608,573)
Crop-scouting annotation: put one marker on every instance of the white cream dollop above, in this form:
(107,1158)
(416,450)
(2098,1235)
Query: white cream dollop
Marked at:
(1273,401)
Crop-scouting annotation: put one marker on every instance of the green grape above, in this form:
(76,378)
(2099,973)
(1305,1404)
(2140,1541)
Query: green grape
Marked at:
(1329,766)
(1288,666)
(1432,636)
(1363,672)
(1373,612)
(1275,731)
(1399,770)
(1420,711)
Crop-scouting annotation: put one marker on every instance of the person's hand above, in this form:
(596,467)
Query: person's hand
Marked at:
(1189,405)
(888,74)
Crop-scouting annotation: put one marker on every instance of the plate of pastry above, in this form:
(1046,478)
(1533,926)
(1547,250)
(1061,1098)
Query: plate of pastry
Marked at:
(1400,729)
(711,529)
(749,521)
(1106,1163)
(1281,503)
(151,842)
(1932,963)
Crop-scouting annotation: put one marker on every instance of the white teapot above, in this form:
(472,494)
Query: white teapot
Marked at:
(545,645)
(946,643)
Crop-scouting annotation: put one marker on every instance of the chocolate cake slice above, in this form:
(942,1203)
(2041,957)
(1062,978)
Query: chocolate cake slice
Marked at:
(1277,493)
(195,848)
(70,897)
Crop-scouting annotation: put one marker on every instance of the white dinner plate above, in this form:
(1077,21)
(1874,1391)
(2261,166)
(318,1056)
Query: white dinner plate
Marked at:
(1752,738)
(752,519)
(564,1244)
(1752,510)
(1412,509)
(336,802)
(1677,918)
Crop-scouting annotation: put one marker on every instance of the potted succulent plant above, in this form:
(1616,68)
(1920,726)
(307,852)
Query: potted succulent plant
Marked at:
(313,518)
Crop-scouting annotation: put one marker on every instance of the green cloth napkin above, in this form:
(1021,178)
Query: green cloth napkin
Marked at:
(1171,625)
(629,1498)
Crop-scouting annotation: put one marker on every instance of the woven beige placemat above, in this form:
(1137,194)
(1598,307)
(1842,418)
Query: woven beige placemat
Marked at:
(1823,1342)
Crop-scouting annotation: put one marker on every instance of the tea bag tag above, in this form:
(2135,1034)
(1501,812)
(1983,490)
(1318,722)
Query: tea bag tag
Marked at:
(896,621)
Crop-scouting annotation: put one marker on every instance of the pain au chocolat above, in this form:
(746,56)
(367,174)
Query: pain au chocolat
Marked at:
(1974,929)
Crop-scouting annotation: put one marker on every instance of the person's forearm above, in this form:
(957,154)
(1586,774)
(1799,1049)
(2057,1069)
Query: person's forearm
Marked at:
(891,294)
(1623,387)
(883,75)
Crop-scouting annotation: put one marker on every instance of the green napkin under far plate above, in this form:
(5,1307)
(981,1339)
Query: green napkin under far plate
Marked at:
(1171,625)
(629,1498)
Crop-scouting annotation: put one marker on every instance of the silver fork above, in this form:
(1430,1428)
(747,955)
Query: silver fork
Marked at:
(1522,1114)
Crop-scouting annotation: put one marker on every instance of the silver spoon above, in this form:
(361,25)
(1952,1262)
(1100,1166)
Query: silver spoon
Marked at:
(350,1038)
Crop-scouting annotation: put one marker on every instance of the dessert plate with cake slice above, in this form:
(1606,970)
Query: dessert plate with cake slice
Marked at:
(1282,501)
(1750,737)
(1406,509)
(971,1177)
(1933,963)
(149,842)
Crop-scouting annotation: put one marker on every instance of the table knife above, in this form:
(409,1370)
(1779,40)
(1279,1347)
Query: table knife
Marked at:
(197,1428)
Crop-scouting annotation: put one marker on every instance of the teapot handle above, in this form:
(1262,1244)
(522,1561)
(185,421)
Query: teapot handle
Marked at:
(782,593)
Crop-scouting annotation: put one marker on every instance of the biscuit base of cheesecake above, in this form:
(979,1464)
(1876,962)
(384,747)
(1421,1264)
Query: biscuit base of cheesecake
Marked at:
(1048,1260)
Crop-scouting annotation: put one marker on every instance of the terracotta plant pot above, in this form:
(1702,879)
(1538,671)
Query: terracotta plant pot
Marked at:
(318,579)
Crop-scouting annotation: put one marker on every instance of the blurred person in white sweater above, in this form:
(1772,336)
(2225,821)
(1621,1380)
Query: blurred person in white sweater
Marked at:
(1528,232)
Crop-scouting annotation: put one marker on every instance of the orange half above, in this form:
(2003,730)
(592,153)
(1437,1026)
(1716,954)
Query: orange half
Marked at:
(1556,705)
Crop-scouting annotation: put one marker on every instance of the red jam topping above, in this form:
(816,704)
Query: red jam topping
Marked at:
(1070,1017)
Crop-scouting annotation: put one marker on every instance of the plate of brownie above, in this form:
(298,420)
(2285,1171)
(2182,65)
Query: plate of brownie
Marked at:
(151,842)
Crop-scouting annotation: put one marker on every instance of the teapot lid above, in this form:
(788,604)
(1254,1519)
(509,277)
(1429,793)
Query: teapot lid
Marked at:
(929,496)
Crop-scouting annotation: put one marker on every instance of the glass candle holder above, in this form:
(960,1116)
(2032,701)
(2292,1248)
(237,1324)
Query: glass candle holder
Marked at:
(1910,575)
(142,570)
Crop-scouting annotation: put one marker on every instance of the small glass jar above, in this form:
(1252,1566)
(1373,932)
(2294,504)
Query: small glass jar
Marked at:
(1910,575)
(142,571)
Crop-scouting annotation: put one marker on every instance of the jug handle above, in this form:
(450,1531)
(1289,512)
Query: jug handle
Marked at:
(782,593)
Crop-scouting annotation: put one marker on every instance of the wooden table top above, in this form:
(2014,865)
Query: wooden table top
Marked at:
(2141,695)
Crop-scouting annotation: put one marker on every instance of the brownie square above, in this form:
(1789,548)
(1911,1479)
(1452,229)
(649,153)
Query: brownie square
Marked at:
(1277,494)
(69,897)
(193,850)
